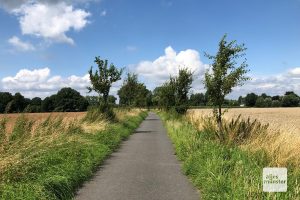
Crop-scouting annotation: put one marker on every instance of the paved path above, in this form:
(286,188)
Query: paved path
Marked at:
(145,167)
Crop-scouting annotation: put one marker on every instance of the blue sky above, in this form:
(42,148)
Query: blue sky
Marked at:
(48,44)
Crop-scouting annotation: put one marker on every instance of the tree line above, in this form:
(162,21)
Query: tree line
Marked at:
(289,99)
(135,94)
(173,94)
(65,100)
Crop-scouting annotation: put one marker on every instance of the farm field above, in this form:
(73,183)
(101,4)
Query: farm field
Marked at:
(281,140)
(39,117)
(286,120)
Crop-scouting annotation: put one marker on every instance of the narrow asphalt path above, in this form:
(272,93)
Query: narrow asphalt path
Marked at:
(144,167)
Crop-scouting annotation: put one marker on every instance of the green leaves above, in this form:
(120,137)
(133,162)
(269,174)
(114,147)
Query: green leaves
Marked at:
(103,78)
(174,93)
(134,93)
(225,74)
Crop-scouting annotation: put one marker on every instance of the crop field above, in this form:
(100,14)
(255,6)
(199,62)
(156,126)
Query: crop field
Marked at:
(286,120)
(282,138)
(39,117)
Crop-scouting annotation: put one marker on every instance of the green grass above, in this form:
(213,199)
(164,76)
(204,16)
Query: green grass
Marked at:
(223,171)
(56,169)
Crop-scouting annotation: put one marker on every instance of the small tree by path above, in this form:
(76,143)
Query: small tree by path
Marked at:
(223,75)
(183,84)
(102,80)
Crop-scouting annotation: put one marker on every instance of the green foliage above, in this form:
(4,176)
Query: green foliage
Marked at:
(17,104)
(290,100)
(250,99)
(48,104)
(68,100)
(224,75)
(5,98)
(164,96)
(34,105)
(276,103)
(183,83)
(32,109)
(103,78)
(198,99)
(100,112)
(174,93)
(128,91)
(134,93)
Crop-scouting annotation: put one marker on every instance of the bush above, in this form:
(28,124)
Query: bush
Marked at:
(98,113)
(181,109)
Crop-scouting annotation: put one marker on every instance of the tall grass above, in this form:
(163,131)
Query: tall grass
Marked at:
(225,171)
(282,146)
(51,159)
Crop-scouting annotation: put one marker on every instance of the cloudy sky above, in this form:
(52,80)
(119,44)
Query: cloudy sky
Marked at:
(49,44)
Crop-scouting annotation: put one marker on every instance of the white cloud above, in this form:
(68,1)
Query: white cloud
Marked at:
(295,72)
(20,45)
(39,82)
(10,5)
(155,72)
(103,13)
(160,69)
(51,21)
(271,85)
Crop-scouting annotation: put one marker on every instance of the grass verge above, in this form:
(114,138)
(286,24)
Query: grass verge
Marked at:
(223,171)
(55,161)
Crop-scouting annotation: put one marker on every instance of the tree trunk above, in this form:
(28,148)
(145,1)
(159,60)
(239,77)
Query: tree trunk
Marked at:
(220,126)
(105,98)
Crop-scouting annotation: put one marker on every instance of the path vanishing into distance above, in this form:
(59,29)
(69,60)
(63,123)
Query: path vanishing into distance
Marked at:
(145,167)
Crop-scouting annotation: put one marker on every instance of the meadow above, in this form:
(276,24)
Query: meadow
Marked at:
(49,155)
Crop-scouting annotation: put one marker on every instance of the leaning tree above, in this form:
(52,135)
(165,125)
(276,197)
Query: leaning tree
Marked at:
(223,75)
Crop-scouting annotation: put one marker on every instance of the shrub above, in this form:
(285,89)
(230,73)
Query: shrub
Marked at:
(98,113)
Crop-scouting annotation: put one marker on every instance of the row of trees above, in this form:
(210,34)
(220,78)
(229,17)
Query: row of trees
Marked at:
(134,93)
(289,99)
(173,94)
(65,100)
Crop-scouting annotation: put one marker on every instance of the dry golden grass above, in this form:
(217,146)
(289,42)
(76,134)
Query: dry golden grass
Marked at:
(282,141)
(39,117)
(279,119)
(123,113)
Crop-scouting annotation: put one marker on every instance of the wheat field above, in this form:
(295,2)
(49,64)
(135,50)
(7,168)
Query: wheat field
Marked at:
(279,119)
(282,141)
